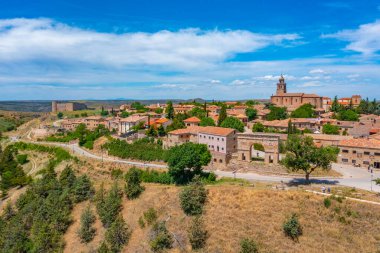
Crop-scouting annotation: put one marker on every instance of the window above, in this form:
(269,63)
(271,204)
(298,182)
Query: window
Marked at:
(344,160)
(217,139)
(353,151)
(367,153)
(222,139)
(353,161)
(366,162)
(215,160)
(377,154)
(344,151)
(220,160)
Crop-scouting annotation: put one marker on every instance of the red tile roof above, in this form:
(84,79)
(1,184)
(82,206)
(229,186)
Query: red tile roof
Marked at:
(192,120)
(361,143)
(221,131)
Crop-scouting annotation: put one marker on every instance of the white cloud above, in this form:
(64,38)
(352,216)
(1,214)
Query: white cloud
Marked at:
(317,71)
(215,81)
(365,39)
(353,75)
(45,39)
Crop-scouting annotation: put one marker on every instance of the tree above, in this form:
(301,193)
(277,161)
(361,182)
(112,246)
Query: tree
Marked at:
(207,121)
(118,234)
(169,110)
(124,114)
(160,237)
(330,129)
(197,233)
(161,131)
(104,248)
(304,111)
(303,155)
(347,115)
(82,189)
(277,113)
(232,122)
(222,114)
(335,106)
(292,227)
(109,206)
(186,160)
(152,132)
(251,103)
(60,115)
(248,246)
(251,113)
(258,127)
(193,197)
(198,112)
(133,187)
(67,177)
(86,232)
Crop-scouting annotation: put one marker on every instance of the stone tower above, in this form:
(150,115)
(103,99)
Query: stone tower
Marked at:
(281,86)
(54,106)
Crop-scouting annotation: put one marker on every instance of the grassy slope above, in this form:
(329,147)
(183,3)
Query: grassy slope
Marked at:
(234,212)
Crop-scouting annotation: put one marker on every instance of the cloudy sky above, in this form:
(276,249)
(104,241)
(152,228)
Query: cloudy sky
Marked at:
(213,49)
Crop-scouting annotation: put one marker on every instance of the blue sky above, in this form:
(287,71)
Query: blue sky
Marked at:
(186,49)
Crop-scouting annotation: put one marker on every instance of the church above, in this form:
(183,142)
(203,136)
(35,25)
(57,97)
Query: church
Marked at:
(294,100)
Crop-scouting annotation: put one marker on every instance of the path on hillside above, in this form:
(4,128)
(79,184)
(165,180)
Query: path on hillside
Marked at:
(352,177)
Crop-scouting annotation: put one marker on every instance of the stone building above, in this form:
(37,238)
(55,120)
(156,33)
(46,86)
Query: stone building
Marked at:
(294,100)
(67,107)
(360,152)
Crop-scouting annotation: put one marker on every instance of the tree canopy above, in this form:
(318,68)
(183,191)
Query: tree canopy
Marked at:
(232,122)
(251,113)
(222,114)
(277,113)
(304,111)
(330,129)
(169,110)
(207,121)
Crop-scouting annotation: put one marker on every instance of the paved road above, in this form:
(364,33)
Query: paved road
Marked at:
(352,177)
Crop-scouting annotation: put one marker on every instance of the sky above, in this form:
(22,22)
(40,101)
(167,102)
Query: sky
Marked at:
(211,49)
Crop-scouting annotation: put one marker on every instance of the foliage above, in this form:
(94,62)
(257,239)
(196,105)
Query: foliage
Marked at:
(169,110)
(141,222)
(150,216)
(367,107)
(335,106)
(151,132)
(222,114)
(198,112)
(42,217)
(104,248)
(197,233)
(108,205)
(186,160)
(67,177)
(207,121)
(22,158)
(86,232)
(177,122)
(292,227)
(142,149)
(160,237)
(82,189)
(133,187)
(193,197)
(327,202)
(251,103)
(347,115)
(304,111)
(232,122)
(59,115)
(303,155)
(154,176)
(330,129)
(248,246)
(258,127)
(124,114)
(259,147)
(251,113)
(161,131)
(277,113)
(138,106)
(116,173)
(118,234)
(11,172)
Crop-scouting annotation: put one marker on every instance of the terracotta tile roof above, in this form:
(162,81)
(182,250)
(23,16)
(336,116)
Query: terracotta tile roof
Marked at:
(289,95)
(161,120)
(134,118)
(221,131)
(192,120)
(311,96)
(361,143)
(329,137)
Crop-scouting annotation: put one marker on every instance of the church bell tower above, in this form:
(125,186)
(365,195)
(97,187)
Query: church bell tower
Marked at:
(281,86)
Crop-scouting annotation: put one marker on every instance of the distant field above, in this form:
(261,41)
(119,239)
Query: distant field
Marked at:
(10,120)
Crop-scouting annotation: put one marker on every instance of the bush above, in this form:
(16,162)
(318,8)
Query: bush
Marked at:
(292,227)
(153,176)
(118,234)
(22,158)
(83,189)
(193,198)
(160,237)
(259,147)
(133,186)
(141,222)
(108,206)
(86,232)
(248,246)
(116,173)
(232,122)
(150,216)
(197,233)
(327,202)
(67,178)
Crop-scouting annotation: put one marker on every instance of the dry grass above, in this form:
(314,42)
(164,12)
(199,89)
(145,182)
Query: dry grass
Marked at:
(235,212)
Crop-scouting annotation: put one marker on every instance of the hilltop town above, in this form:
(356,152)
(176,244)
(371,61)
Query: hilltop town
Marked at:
(183,177)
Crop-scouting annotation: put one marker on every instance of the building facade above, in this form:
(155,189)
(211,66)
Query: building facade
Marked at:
(67,107)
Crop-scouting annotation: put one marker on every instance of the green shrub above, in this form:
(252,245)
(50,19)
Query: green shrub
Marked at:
(116,173)
(292,227)
(108,205)
(193,198)
(327,202)
(259,147)
(86,232)
(141,222)
(248,246)
(22,158)
(118,234)
(133,187)
(150,215)
(83,189)
(160,237)
(197,233)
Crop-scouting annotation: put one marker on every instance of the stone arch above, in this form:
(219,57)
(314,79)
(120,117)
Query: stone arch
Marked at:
(270,142)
